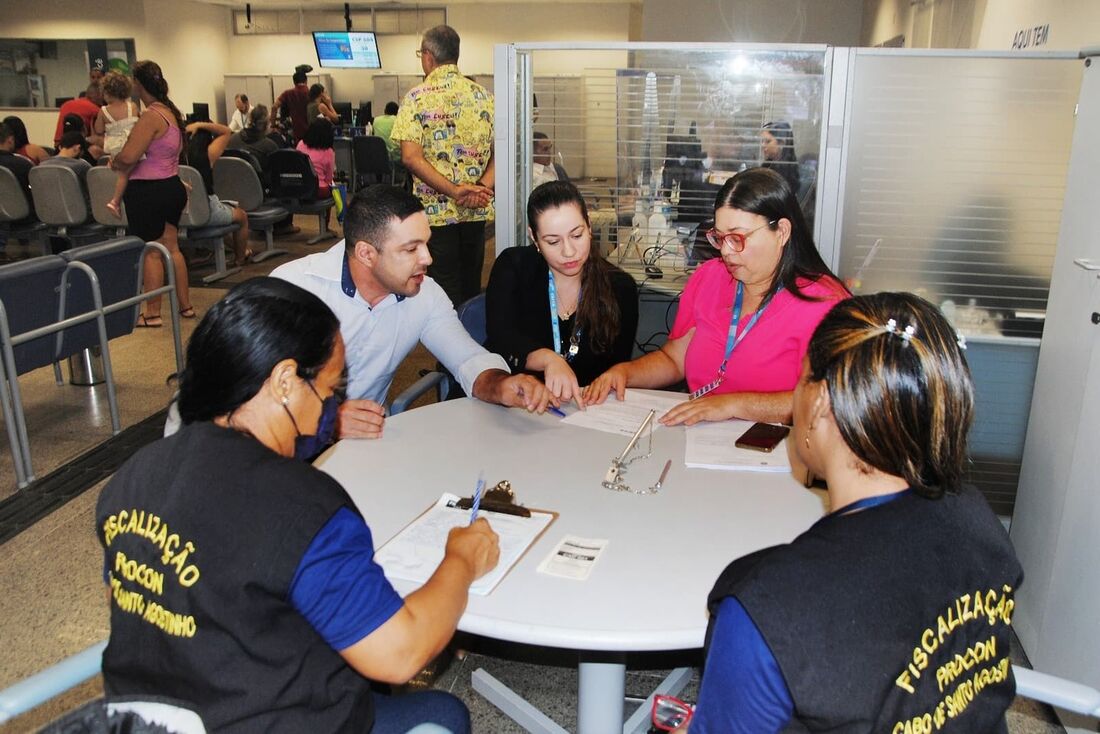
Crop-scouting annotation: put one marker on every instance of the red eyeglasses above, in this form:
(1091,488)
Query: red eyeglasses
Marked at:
(670,713)
(734,240)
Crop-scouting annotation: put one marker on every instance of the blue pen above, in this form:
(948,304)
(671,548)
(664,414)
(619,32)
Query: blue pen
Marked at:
(477,497)
(556,411)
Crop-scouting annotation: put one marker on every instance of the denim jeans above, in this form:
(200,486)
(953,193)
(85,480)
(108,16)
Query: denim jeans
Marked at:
(400,714)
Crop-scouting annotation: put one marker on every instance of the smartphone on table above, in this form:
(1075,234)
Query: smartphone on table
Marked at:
(762,437)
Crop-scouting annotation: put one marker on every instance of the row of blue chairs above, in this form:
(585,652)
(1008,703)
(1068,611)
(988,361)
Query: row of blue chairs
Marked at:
(56,306)
(66,207)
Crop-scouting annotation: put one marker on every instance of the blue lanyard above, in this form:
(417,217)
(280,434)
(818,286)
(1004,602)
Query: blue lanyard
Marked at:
(575,339)
(733,338)
(863,504)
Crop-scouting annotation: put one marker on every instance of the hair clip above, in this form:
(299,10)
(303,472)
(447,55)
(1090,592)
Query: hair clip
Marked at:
(906,334)
(960,339)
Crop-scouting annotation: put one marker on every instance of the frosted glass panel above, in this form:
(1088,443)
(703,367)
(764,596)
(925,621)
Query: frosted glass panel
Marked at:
(954,183)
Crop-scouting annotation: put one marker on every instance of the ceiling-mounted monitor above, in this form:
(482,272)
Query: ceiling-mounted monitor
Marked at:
(347,50)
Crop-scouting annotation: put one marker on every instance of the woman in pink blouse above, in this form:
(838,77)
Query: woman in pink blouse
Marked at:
(744,319)
(317,144)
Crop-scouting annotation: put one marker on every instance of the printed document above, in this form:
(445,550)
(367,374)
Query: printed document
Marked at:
(415,552)
(624,416)
(573,558)
(710,446)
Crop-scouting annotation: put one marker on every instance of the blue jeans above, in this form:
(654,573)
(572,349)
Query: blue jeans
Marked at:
(399,714)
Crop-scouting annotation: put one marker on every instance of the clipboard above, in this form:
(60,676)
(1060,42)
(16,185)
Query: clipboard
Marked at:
(416,551)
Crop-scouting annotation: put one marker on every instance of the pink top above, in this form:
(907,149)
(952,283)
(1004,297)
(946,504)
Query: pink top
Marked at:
(324,163)
(769,359)
(162,157)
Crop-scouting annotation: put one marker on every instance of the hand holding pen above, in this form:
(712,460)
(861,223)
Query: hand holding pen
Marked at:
(475,544)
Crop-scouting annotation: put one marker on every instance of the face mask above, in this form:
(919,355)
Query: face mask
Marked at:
(310,445)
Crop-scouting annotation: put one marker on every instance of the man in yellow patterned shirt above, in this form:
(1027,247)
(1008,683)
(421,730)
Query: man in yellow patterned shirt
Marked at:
(445,129)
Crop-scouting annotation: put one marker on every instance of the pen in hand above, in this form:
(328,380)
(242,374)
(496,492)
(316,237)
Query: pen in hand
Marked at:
(556,411)
(477,497)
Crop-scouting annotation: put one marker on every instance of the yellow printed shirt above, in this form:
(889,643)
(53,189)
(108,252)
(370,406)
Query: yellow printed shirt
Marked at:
(451,117)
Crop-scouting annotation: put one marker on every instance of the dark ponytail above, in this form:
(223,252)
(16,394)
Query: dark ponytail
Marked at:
(149,75)
(258,324)
(598,311)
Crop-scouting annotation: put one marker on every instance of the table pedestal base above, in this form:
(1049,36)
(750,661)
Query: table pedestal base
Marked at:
(600,694)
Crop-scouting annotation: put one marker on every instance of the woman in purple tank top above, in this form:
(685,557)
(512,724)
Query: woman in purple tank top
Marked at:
(155,196)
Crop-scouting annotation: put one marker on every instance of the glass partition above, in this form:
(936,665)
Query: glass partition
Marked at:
(955,175)
(650,133)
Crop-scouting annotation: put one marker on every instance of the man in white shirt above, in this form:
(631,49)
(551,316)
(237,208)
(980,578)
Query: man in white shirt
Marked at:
(377,285)
(239,121)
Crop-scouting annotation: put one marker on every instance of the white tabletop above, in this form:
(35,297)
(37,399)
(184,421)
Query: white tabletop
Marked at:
(648,590)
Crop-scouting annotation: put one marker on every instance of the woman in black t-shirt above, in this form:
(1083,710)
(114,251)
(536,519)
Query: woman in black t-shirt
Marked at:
(559,308)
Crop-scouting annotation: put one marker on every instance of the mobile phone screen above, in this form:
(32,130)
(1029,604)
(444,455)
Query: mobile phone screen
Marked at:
(762,437)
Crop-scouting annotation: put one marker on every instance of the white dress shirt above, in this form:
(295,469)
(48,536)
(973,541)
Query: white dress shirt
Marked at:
(239,121)
(377,339)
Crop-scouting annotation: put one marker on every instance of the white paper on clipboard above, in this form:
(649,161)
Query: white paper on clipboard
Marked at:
(415,552)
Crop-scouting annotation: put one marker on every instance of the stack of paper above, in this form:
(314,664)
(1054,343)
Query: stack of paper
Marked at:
(415,552)
(624,416)
(711,446)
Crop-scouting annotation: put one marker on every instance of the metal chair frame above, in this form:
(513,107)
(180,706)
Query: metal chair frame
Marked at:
(11,399)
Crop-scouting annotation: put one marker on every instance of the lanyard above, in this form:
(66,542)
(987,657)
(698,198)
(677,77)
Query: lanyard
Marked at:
(732,339)
(863,504)
(575,338)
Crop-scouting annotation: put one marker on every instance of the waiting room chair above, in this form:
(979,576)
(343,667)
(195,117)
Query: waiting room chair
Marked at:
(193,229)
(472,315)
(235,180)
(71,672)
(35,311)
(17,219)
(60,202)
(371,159)
(294,185)
(101,189)
(248,155)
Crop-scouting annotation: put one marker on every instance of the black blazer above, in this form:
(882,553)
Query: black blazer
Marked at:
(518,315)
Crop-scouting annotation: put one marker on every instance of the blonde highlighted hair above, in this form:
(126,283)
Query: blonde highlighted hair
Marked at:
(900,387)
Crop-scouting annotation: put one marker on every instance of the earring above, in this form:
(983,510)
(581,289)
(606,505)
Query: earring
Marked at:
(806,438)
(286,399)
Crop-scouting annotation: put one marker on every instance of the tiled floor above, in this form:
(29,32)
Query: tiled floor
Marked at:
(52,599)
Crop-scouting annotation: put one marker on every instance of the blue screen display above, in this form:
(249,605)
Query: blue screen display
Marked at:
(347,50)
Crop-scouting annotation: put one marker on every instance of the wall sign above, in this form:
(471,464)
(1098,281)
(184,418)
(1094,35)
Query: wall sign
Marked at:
(1031,37)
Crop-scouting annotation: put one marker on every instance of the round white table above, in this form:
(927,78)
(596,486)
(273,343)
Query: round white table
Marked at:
(648,590)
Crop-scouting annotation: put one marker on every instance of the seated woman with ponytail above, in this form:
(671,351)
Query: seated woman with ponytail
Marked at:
(264,608)
(858,624)
(559,308)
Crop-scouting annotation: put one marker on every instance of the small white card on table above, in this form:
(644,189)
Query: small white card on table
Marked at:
(573,557)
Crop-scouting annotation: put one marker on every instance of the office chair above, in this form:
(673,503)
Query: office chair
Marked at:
(294,184)
(371,159)
(17,219)
(472,316)
(236,180)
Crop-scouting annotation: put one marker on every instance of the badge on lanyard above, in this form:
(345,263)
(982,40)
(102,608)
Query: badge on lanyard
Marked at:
(575,339)
(732,340)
